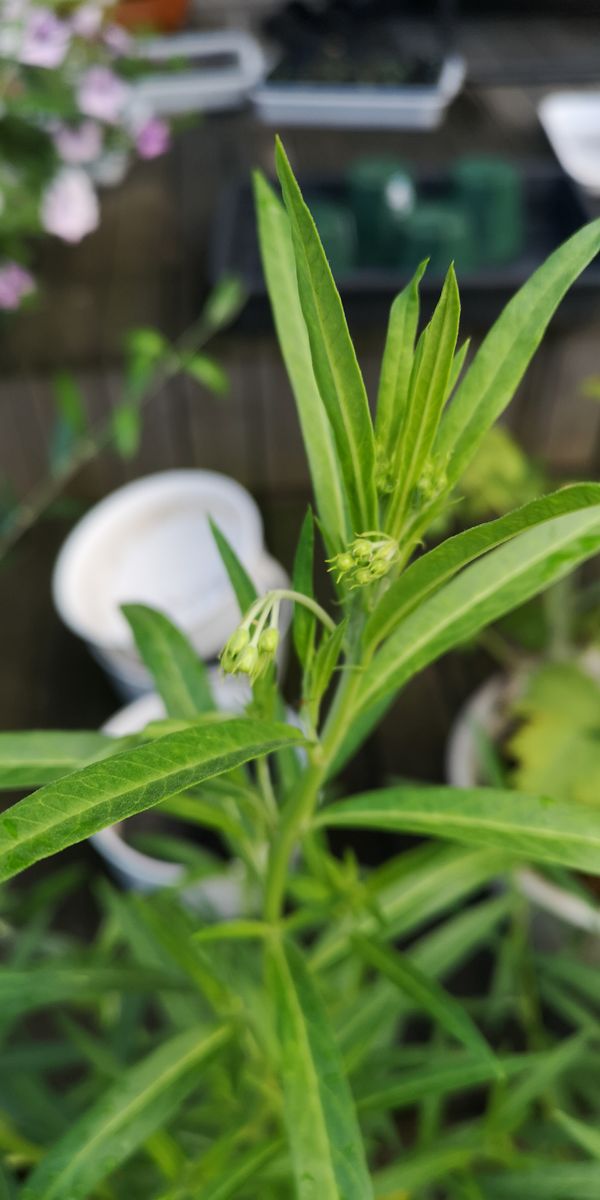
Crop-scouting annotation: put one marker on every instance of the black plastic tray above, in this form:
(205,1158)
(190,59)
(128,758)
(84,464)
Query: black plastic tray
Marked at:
(553,211)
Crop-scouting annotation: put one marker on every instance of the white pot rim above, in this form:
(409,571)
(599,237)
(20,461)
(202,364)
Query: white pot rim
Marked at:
(102,526)
(484,710)
(142,872)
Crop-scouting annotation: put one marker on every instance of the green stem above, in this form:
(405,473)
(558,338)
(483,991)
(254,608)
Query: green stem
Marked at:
(302,804)
(307,601)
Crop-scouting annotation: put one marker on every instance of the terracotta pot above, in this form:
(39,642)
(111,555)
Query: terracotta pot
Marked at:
(162,16)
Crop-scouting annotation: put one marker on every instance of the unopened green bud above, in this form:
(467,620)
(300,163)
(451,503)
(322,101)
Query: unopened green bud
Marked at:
(344,562)
(238,641)
(362,550)
(269,641)
(363,576)
(248,660)
(379,568)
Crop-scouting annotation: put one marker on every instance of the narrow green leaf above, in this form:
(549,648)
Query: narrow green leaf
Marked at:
(422,1168)
(145,1099)
(25,991)
(449,1073)
(126,425)
(241,930)
(504,578)
(429,995)
(322,668)
(245,591)
(506,352)
(517,1101)
(426,397)
(427,575)
(130,782)
(582,1134)
(224,303)
(303,627)
(242,1170)
(458,363)
(397,364)
(529,827)
(208,372)
(555,1181)
(30,759)
(279,266)
(334,360)
(179,675)
(326,1148)
(433,880)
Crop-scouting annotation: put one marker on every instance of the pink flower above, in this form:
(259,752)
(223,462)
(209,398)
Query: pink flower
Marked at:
(86,21)
(117,40)
(45,39)
(101,94)
(78,143)
(153,138)
(69,205)
(15,284)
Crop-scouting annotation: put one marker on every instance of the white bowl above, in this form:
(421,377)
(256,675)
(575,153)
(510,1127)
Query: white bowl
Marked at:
(150,542)
(223,894)
(485,711)
(571,120)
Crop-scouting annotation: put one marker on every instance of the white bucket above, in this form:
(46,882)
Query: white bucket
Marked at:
(224,894)
(485,712)
(150,542)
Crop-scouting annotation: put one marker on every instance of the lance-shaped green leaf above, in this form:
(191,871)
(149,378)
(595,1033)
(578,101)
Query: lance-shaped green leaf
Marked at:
(30,759)
(145,1099)
(575,1180)
(433,880)
(242,1169)
(326,1148)
(279,266)
(303,622)
(428,994)
(127,783)
(25,990)
(245,591)
(397,362)
(179,675)
(532,828)
(446,1074)
(487,589)
(334,360)
(582,1134)
(430,572)
(427,393)
(506,352)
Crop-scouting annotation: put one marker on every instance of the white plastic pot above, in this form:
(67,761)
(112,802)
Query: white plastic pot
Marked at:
(224,894)
(486,712)
(150,542)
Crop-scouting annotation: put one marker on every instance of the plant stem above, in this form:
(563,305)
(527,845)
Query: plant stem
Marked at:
(306,601)
(26,514)
(302,804)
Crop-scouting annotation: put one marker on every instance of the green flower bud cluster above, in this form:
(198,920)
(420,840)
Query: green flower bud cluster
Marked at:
(253,646)
(368,558)
(430,485)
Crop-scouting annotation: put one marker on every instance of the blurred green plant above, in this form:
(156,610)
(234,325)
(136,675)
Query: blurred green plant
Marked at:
(151,361)
(284,1052)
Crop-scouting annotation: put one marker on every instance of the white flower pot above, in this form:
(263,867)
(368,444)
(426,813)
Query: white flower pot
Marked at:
(150,542)
(223,895)
(486,712)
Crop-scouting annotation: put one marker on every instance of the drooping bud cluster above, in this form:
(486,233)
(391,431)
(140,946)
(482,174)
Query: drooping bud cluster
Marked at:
(252,648)
(368,558)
